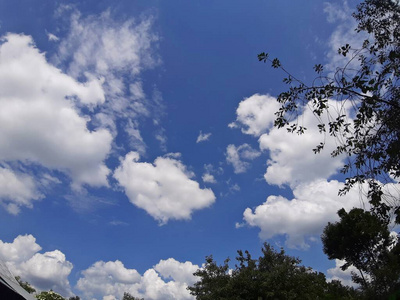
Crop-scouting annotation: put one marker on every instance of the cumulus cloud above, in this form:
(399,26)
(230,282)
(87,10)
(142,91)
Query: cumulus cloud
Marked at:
(255,115)
(39,121)
(292,160)
(236,155)
(104,280)
(337,273)
(164,189)
(177,271)
(208,178)
(46,271)
(203,137)
(302,218)
(17,190)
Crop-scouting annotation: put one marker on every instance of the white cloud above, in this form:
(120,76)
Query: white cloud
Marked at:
(235,156)
(39,121)
(108,279)
(177,271)
(255,115)
(100,46)
(337,273)
(52,37)
(292,160)
(304,217)
(47,271)
(208,178)
(344,33)
(17,190)
(105,45)
(21,249)
(44,271)
(203,137)
(164,189)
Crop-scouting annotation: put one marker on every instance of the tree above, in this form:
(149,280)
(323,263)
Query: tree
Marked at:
(50,295)
(363,240)
(25,285)
(128,296)
(370,81)
(274,275)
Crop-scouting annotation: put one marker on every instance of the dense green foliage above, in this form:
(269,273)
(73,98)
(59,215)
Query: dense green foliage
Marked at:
(370,135)
(50,295)
(128,296)
(274,275)
(363,240)
(25,285)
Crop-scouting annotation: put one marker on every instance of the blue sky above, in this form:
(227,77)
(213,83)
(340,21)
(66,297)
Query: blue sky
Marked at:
(136,138)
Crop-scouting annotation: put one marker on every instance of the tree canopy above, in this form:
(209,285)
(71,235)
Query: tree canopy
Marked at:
(363,240)
(274,275)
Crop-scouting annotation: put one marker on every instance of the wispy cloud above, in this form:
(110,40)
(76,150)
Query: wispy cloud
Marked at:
(236,156)
(203,137)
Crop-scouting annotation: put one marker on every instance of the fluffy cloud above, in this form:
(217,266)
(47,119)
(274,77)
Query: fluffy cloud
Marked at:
(164,189)
(16,190)
(235,156)
(177,271)
(107,278)
(337,273)
(104,280)
(255,115)
(208,178)
(292,160)
(44,271)
(303,218)
(39,121)
(203,137)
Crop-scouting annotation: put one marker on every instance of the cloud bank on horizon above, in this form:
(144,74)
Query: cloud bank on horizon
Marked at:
(102,280)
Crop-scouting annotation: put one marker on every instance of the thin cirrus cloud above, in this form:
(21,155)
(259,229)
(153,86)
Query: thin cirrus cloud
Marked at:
(203,137)
(101,46)
(163,189)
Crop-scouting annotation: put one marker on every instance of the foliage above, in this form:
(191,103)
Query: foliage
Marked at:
(274,275)
(74,298)
(25,285)
(50,295)
(370,136)
(363,240)
(128,296)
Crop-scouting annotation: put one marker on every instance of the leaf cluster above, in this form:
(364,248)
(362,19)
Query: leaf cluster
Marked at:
(274,275)
(362,239)
(369,135)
